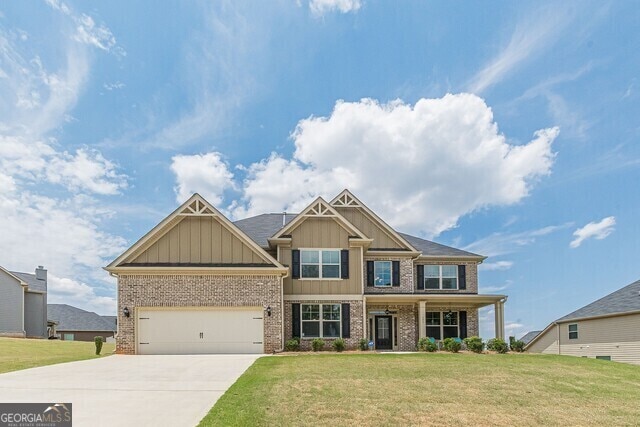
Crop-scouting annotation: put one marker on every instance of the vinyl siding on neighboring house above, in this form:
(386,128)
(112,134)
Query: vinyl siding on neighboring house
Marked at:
(546,343)
(11,306)
(318,233)
(198,240)
(381,238)
(35,315)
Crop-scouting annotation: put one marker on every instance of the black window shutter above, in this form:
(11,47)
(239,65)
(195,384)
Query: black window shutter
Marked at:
(462,277)
(295,264)
(346,321)
(370,273)
(395,273)
(463,324)
(420,269)
(295,319)
(344,263)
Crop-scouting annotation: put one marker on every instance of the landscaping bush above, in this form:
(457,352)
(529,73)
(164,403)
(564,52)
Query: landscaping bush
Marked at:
(98,342)
(425,344)
(292,344)
(339,345)
(452,345)
(517,346)
(498,345)
(317,344)
(363,344)
(474,344)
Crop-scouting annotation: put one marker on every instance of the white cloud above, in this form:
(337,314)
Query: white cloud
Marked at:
(321,7)
(79,294)
(445,156)
(534,33)
(498,265)
(504,243)
(597,230)
(206,174)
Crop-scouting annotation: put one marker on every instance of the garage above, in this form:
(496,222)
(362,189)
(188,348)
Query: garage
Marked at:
(200,330)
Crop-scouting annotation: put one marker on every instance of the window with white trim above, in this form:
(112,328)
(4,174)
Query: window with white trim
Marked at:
(441,324)
(573,331)
(441,277)
(320,263)
(320,320)
(382,273)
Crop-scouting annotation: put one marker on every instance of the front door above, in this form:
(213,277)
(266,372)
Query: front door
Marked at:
(383,333)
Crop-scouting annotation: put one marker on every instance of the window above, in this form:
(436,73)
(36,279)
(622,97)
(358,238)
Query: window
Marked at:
(319,264)
(603,357)
(573,331)
(382,273)
(441,277)
(320,320)
(69,337)
(441,325)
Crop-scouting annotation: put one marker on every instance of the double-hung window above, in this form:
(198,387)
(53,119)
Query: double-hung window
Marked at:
(441,325)
(320,263)
(320,320)
(573,331)
(382,273)
(441,277)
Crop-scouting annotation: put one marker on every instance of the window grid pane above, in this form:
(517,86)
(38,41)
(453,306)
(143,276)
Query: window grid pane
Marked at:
(382,273)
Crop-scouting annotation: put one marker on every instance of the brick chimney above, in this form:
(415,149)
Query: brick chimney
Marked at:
(41,274)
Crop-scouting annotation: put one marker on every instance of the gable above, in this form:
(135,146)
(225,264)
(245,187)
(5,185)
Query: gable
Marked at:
(195,235)
(8,277)
(319,233)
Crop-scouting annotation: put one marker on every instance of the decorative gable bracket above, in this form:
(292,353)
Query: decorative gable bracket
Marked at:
(197,208)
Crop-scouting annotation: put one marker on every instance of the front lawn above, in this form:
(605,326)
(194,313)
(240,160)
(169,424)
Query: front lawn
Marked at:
(19,353)
(419,389)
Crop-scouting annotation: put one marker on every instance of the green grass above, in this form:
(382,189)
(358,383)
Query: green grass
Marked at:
(18,353)
(442,389)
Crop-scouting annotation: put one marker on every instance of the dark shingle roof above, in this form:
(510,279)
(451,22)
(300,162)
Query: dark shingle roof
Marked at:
(30,279)
(621,301)
(529,336)
(262,227)
(71,318)
(429,248)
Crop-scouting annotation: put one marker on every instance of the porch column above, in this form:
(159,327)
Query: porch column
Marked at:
(422,317)
(499,319)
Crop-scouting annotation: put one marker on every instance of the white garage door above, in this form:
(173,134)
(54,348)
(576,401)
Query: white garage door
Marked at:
(200,331)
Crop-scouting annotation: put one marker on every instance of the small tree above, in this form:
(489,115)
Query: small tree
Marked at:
(98,342)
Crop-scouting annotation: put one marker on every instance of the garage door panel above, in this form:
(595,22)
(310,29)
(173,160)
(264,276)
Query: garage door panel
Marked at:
(201,331)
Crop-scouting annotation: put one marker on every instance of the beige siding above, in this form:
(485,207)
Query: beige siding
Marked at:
(199,240)
(11,306)
(547,343)
(362,221)
(323,233)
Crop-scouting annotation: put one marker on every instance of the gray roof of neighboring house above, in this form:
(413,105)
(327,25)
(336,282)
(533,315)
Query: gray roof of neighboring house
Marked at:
(260,228)
(621,301)
(31,281)
(71,318)
(113,321)
(529,336)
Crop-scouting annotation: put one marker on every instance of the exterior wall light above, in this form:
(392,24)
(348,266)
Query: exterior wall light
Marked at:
(126,312)
(269,311)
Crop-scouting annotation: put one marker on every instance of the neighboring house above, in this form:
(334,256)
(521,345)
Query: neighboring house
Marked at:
(526,339)
(75,324)
(198,283)
(23,303)
(608,328)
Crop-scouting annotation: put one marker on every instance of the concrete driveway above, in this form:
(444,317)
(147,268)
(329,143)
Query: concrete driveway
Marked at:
(130,390)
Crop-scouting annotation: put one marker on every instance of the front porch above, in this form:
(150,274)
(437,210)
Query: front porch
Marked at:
(397,322)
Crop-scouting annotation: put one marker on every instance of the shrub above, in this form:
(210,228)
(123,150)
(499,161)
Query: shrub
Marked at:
(363,344)
(425,344)
(339,345)
(490,344)
(498,345)
(317,344)
(292,344)
(98,342)
(452,345)
(474,344)
(517,346)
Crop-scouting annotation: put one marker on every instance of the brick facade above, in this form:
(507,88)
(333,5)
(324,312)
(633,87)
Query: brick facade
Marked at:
(198,291)
(473,327)
(471,271)
(355,314)
(407,315)
(406,277)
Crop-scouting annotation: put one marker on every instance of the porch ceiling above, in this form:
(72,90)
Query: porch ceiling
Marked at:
(436,299)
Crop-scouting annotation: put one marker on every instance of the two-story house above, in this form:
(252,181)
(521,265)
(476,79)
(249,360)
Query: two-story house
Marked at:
(199,283)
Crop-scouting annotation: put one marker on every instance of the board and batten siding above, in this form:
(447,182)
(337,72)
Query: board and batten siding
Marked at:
(381,238)
(615,336)
(199,240)
(318,233)
(11,306)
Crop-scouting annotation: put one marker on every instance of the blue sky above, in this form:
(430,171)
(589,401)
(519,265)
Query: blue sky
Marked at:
(509,129)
